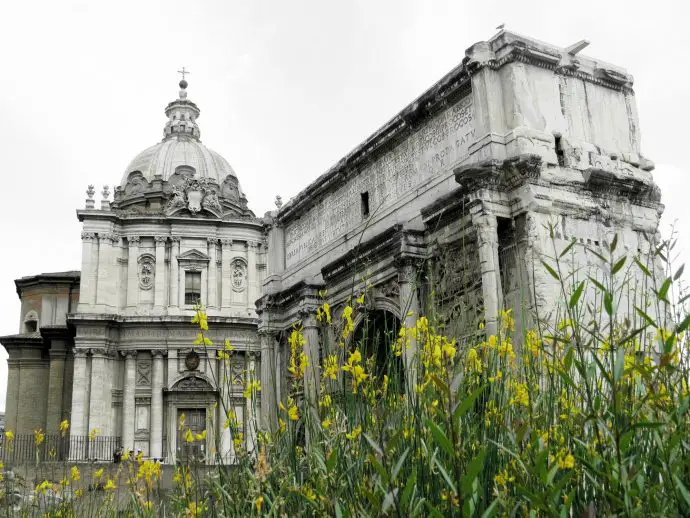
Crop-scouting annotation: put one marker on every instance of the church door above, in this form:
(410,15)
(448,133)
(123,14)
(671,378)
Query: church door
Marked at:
(195,421)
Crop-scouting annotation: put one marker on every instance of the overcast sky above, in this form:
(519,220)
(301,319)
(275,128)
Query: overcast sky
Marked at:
(285,90)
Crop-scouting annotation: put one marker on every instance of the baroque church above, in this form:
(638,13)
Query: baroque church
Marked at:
(448,208)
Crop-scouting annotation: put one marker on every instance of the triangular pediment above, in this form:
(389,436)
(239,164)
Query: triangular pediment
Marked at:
(193,255)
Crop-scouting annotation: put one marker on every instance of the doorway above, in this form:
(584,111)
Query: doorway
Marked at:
(195,421)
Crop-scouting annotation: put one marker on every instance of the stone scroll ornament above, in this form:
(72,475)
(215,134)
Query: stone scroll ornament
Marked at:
(239,275)
(147,271)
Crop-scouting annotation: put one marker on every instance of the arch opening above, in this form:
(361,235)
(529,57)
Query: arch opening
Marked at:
(375,337)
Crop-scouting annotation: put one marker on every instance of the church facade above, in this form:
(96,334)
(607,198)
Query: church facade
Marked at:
(448,208)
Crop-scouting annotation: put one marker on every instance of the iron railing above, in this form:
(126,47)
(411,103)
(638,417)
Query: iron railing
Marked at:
(22,449)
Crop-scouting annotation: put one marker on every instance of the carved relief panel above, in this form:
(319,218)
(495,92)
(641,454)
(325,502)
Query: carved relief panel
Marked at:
(146,271)
(144,372)
(239,275)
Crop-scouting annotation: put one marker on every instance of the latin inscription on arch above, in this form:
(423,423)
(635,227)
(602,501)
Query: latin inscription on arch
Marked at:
(433,148)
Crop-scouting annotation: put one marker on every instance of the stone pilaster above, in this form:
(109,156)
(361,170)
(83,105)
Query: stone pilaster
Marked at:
(252,284)
(128,402)
(486,227)
(174,272)
(268,388)
(226,282)
(224,381)
(108,247)
(159,293)
(311,350)
(87,286)
(157,384)
(251,431)
(12,401)
(409,308)
(132,271)
(212,292)
(56,379)
(100,397)
(79,424)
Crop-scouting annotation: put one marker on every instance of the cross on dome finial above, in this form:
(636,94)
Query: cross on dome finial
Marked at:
(183,72)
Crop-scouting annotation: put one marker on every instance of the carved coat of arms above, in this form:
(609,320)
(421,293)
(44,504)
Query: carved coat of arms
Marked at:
(195,194)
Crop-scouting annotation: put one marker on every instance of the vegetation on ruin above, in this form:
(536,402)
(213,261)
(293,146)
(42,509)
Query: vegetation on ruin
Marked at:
(588,416)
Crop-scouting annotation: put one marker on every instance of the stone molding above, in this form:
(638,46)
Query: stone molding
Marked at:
(160,239)
(112,237)
(88,236)
(128,354)
(159,353)
(175,239)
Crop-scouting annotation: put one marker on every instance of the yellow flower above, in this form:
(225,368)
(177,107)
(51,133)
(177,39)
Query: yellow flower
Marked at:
(258,503)
(78,493)
(251,387)
(98,474)
(125,456)
(195,510)
(349,325)
(202,340)
(354,433)
(93,434)
(201,436)
(109,485)
(281,425)
(188,436)
(326,402)
(309,493)
(200,318)
(74,472)
(323,314)
(326,424)
(39,437)
(9,435)
(43,487)
(330,367)
(237,440)
(64,427)
(181,421)
(521,396)
(293,414)
(149,471)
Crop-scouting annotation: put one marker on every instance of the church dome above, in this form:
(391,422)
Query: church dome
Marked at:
(181,162)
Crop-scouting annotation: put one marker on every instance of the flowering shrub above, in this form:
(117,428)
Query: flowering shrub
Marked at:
(586,413)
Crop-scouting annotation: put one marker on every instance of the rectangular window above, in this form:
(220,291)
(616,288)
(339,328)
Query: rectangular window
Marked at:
(192,287)
(365,204)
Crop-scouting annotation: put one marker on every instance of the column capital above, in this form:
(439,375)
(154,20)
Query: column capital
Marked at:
(308,316)
(159,353)
(226,242)
(212,240)
(128,355)
(175,239)
(160,239)
(408,268)
(88,236)
(133,240)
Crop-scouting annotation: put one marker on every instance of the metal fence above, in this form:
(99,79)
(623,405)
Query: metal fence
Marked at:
(22,449)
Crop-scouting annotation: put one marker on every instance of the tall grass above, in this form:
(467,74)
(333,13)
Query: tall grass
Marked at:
(585,414)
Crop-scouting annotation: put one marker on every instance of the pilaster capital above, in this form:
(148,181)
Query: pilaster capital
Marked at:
(212,240)
(226,242)
(128,355)
(113,238)
(99,352)
(175,239)
(159,353)
(88,236)
(160,240)
(79,353)
(308,316)
(408,268)
(133,240)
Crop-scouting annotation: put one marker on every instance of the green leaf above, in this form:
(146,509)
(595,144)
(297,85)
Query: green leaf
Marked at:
(599,285)
(440,438)
(399,464)
(679,272)
(619,264)
(491,510)
(663,291)
(650,321)
(379,468)
(466,403)
(409,486)
(608,303)
(373,444)
(642,267)
(332,459)
(441,385)
(683,490)
(432,510)
(551,271)
(620,364)
(388,500)
(575,297)
(473,469)
(445,476)
(614,243)
(684,324)
(568,248)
